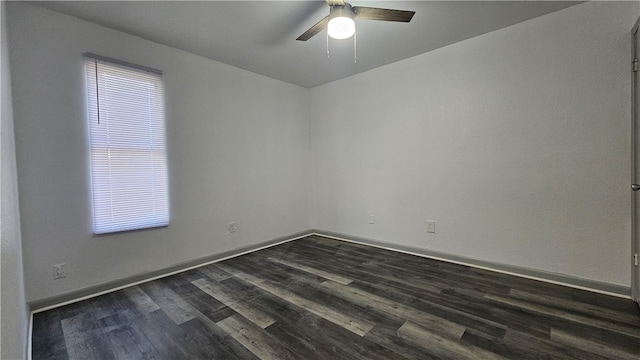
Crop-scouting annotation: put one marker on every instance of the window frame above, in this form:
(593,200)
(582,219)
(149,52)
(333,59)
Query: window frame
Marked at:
(136,194)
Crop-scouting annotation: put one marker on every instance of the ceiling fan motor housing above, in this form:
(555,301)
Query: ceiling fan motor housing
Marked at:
(345,10)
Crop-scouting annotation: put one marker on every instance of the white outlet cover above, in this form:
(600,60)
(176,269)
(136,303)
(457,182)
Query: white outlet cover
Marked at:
(431,226)
(372,219)
(59,271)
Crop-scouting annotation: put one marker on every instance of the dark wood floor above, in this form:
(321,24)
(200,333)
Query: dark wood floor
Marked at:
(317,298)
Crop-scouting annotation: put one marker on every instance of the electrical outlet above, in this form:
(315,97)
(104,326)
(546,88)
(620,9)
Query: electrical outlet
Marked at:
(59,271)
(372,219)
(232,227)
(431,226)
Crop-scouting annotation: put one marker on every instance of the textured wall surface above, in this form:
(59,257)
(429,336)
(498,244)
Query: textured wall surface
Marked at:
(516,143)
(238,145)
(13,310)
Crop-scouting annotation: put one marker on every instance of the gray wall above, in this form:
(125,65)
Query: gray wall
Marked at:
(238,145)
(13,310)
(515,142)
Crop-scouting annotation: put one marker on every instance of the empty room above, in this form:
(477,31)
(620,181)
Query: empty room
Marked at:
(320,180)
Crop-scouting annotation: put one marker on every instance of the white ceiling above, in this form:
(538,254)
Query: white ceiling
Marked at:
(259,36)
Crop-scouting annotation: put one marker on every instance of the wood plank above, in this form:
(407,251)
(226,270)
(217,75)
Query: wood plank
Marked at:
(576,307)
(543,348)
(357,326)
(141,299)
(322,338)
(608,325)
(327,275)
(255,339)
(390,339)
(584,332)
(84,339)
(165,335)
(591,346)
(47,337)
(443,308)
(363,298)
(518,345)
(125,338)
(214,272)
(213,342)
(234,302)
(207,305)
(442,346)
(239,274)
(176,308)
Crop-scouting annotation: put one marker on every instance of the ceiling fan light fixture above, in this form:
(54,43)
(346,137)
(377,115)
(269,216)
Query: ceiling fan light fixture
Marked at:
(341,24)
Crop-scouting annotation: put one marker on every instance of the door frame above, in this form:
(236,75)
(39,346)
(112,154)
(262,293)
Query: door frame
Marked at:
(635,238)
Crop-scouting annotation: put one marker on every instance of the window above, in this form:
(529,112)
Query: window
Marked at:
(127,144)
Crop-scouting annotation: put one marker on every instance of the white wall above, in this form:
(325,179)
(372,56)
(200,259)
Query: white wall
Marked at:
(515,142)
(13,310)
(238,145)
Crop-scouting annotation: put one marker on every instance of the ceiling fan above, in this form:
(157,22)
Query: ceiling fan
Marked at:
(340,22)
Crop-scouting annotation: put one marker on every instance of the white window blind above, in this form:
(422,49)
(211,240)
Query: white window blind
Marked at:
(128,151)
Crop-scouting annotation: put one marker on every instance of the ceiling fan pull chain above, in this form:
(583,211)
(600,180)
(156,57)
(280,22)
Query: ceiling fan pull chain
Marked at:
(355,47)
(327,44)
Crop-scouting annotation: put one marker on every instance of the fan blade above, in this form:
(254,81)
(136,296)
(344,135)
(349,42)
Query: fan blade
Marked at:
(335,2)
(319,26)
(369,13)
